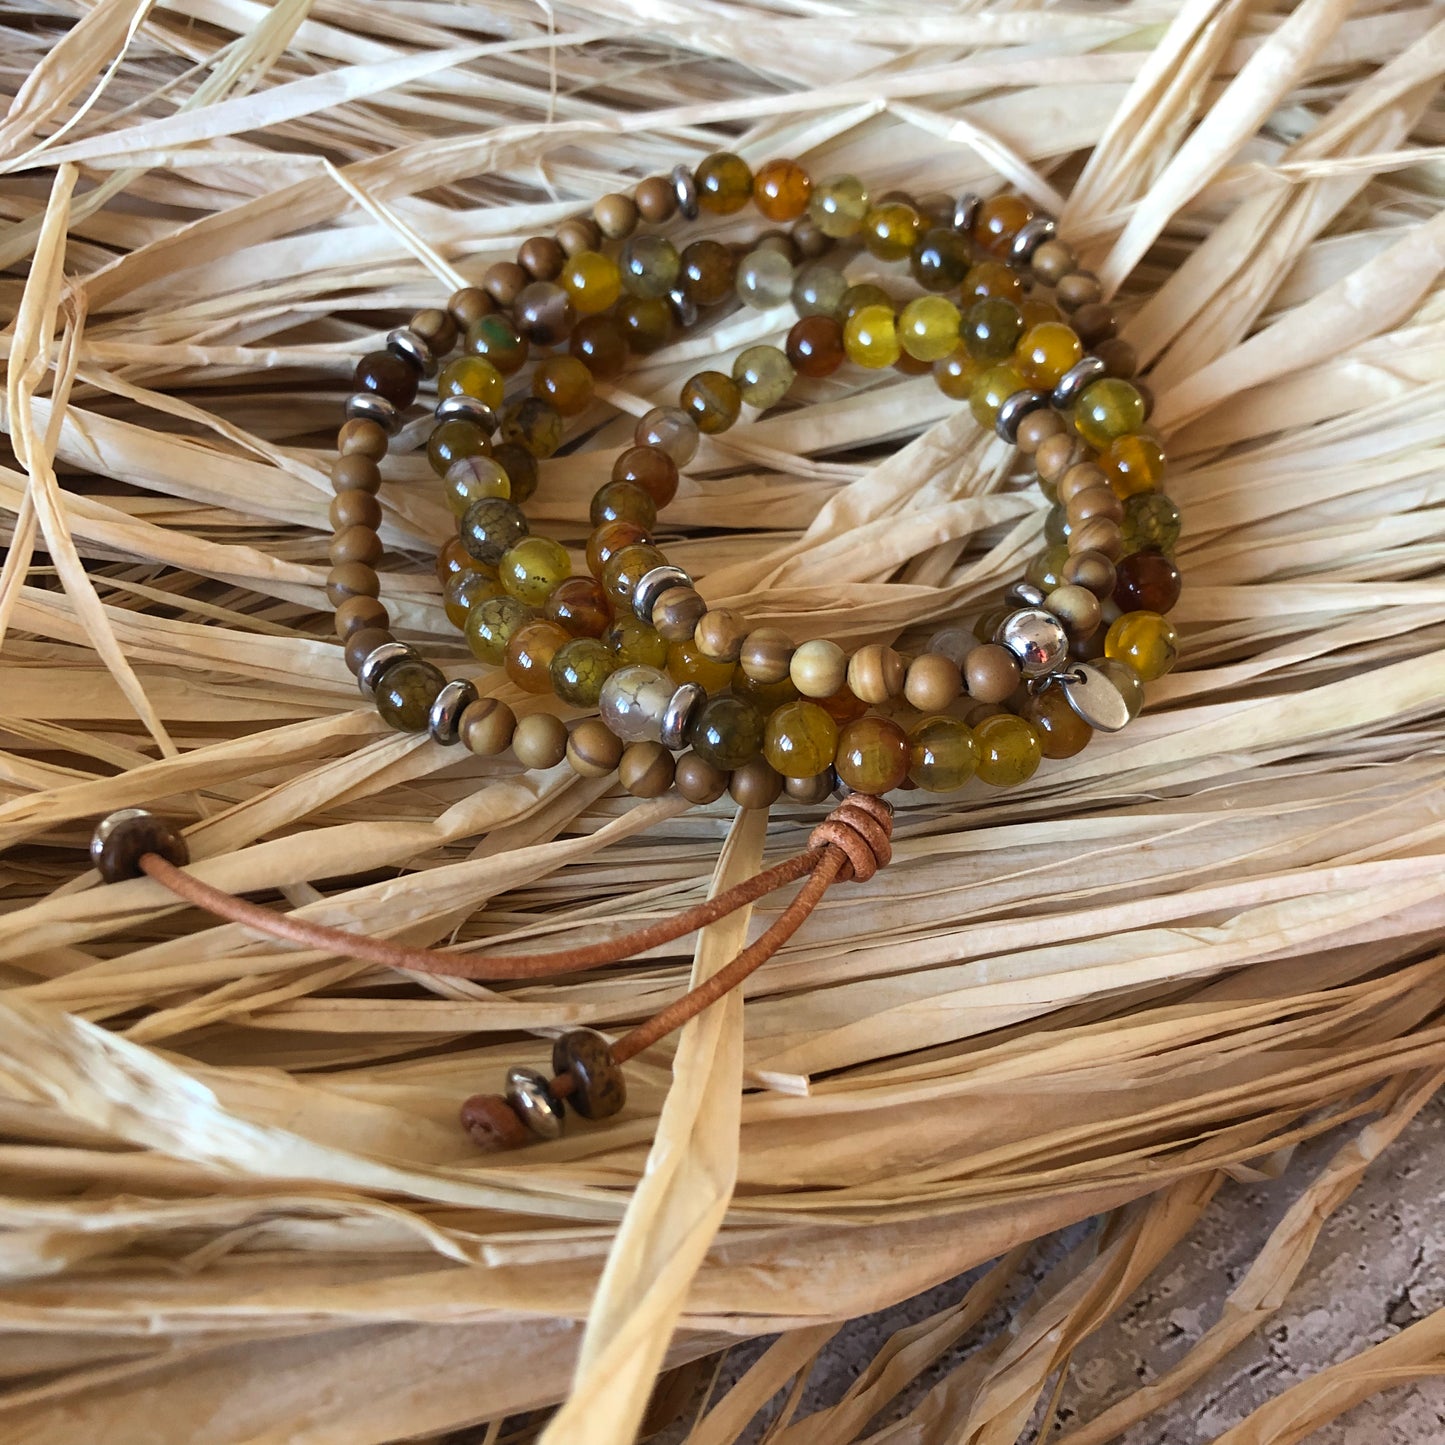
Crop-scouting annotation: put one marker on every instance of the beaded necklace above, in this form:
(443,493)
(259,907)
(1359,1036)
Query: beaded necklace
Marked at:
(1030,347)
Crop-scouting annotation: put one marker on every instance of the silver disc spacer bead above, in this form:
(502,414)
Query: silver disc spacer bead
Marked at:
(1014,409)
(965,211)
(369,675)
(652,584)
(684,185)
(1024,594)
(467,408)
(679,712)
(446,711)
(534,1103)
(406,344)
(1075,379)
(368,406)
(1031,235)
(1037,638)
(684,308)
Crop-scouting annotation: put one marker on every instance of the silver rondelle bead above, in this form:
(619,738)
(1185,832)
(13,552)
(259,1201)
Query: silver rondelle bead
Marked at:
(1024,594)
(534,1103)
(1014,409)
(684,186)
(1075,379)
(1037,638)
(446,712)
(652,584)
(684,308)
(467,408)
(1031,235)
(368,406)
(965,211)
(681,709)
(406,344)
(368,676)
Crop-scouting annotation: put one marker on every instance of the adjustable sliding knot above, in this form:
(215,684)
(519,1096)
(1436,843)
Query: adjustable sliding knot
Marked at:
(861,826)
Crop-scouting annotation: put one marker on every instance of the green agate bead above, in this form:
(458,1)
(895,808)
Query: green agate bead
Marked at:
(763,375)
(1009,750)
(942,754)
(406,692)
(490,626)
(837,207)
(579,668)
(1107,409)
(531,568)
(727,731)
(1150,520)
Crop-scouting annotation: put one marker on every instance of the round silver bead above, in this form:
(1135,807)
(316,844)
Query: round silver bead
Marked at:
(368,676)
(534,1103)
(443,722)
(1037,638)
(467,408)
(1024,594)
(965,211)
(684,308)
(681,709)
(406,344)
(1031,235)
(368,406)
(652,584)
(1014,409)
(1075,379)
(684,186)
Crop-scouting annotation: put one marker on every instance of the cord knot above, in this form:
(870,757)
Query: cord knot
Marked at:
(861,826)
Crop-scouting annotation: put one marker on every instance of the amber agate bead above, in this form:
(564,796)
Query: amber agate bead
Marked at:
(838,205)
(592,282)
(490,625)
(956,374)
(649,468)
(708,272)
(891,230)
(1009,749)
(942,754)
(580,605)
(727,731)
(531,568)
(474,479)
(1045,352)
(464,590)
(646,323)
(670,430)
(1062,732)
(1150,520)
(521,469)
(609,538)
(650,265)
(712,400)
(999,220)
(815,346)
(1133,464)
(1146,582)
(453,440)
(724,183)
(622,502)
(687,662)
(871,337)
(534,424)
(781,189)
(530,650)
(624,569)
(564,382)
(473,376)
(991,330)
(499,342)
(990,391)
(800,740)
(406,692)
(636,644)
(993,279)
(872,755)
(928,328)
(490,527)
(1144,640)
(578,669)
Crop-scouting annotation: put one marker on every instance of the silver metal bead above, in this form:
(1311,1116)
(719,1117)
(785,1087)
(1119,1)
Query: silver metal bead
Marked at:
(1075,379)
(467,408)
(684,186)
(684,308)
(534,1103)
(1037,638)
(446,712)
(368,676)
(679,712)
(652,584)
(368,406)
(1031,235)
(1014,409)
(965,211)
(411,347)
(1024,594)
(1090,693)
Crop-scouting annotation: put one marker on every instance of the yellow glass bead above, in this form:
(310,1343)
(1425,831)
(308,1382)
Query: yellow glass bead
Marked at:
(1133,464)
(635,643)
(1009,750)
(800,740)
(565,382)
(871,337)
(686,662)
(990,391)
(928,328)
(1045,352)
(956,373)
(592,280)
(464,590)
(942,754)
(472,376)
(1108,408)
(531,568)
(1144,640)
(891,230)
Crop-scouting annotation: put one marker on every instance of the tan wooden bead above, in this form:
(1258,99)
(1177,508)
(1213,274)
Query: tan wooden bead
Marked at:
(541,257)
(1094,502)
(656,200)
(875,673)
(1118,356)
(1098,534)
(810,790)
(593,750)
(766,655)
(1092,570)
(356,472)
(616,216)
(933,682)
(1036,428)
(1077,608)
(755,784)
(1079,288)
(720,633)
(362,643)
(504,282)
(818,668)
(1053,261)
(358,613)
(539,740)
(578,235)
(355,544)
(1055,456)
(467,306)
(991,673)
(1094,323)
(351,579)
(698,780)
(1082,477)
(362,438)
(437,328)
(354,508)
(646,769)
(677,612)
(486,727)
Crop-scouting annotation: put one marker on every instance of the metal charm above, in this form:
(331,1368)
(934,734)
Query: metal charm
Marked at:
(684,308)
(467,408)
(368,406)
(684,186)
(406,344)
(965,211)
(1024,594)
(1090,693)
(1031,235)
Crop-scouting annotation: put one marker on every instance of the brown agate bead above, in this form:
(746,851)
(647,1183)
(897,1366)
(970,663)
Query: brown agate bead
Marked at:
(815,346)
(580,605)
(1062,732)
(708,271)
(125,837)
(383,374)
(872,755)
(544,313)
(438,328)
(599,1089)
(1146,582)
(712,400)
(649,468)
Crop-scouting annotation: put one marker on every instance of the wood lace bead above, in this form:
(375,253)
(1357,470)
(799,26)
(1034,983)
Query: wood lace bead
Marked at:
(540,740)
(593,750)
(766,655)
(932,683)
(504,281)
(361,644)
(991,673)
(755,784)
(599,1089)
(1092,570)
(698,780)
(1094,502)
(875,673)
(1098,534)
(356,472)
(1037,428)
(656,200)
(720,633)
(646,770)
(1077,608)
(355,544)
(616,216)
(818,668)
(677,612)
(872,755)
(466,307)
(354,509)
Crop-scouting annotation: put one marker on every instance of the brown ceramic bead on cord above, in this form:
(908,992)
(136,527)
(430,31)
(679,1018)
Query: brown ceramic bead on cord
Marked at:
(875,673)
(599,1089)
(767,654)
(358,614)
(541,257)
(125,837)
(492,1124)
(720,633)
(593,750)
(355,473)
(616,216)
(933,683)
(656,200)
(540,740)
(504,282)
(486,727)
(646,770)
(363,439)
(698,780)
(677,612)
(755,784)
(990,673)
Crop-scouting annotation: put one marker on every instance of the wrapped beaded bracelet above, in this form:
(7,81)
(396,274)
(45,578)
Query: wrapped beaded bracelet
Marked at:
(1066,654)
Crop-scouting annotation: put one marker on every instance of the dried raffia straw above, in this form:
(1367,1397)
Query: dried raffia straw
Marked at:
(240,1207)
